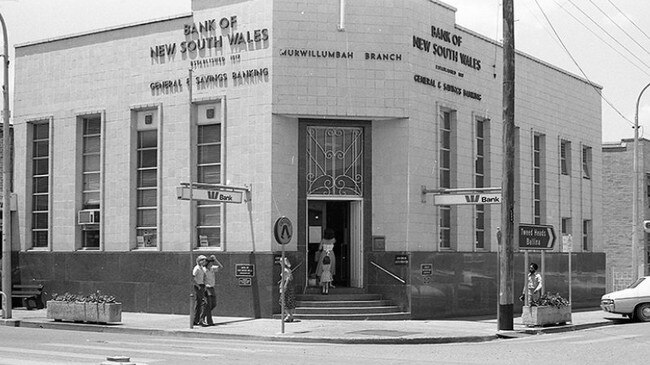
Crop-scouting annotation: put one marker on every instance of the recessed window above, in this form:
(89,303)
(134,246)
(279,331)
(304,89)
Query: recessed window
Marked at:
(208,171)
(565,157)
(40,184)
(91,180)
(586,162)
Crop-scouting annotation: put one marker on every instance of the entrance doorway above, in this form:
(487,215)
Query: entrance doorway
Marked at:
(341,217)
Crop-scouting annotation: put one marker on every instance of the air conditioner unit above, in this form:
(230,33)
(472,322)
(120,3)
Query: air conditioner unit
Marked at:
(88,216)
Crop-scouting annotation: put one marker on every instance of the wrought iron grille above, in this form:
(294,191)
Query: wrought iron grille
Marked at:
(335,161)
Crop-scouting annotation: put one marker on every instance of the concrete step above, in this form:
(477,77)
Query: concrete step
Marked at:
(401,316)
(343,303)
(347,310)
(337,297)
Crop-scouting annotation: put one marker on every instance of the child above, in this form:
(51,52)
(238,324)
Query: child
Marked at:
(326,275)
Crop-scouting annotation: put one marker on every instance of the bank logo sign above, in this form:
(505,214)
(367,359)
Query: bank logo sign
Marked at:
(465,199)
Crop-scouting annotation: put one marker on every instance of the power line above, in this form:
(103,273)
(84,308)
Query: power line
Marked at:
(576,63)
(628,19)
(619,27)
(606,32)
(601,38)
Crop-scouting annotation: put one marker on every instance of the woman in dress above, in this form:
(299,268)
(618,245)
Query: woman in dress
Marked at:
(287,291)
(326,249)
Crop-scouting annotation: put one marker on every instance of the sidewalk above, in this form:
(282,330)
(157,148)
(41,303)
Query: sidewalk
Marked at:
(360,332)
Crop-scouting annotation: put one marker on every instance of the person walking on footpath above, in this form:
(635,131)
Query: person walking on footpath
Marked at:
(211,267)
(198,281)
(287,291)
(534,285)
(326,275)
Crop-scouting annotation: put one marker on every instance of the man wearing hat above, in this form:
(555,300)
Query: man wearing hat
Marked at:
(198,279)
(211,267)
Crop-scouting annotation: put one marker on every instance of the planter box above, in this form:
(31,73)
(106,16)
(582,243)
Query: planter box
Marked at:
(84,312)
(546,315)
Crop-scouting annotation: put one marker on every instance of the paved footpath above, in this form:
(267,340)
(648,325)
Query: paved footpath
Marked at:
(366,332)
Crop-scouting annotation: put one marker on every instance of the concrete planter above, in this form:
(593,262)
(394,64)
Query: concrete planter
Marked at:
(84,312)
(546,315)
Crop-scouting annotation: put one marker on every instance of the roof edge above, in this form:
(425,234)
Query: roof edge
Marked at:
(102,30)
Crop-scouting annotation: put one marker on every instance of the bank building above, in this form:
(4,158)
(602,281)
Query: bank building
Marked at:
(352,116)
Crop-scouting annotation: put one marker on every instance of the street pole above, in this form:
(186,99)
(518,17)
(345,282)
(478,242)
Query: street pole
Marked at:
(635,191)
(193,298)
(506,264)
(6,181)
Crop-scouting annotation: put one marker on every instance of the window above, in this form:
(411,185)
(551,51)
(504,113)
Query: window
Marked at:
(566,226)
(208,171)
(480,166)
(586,235)
(565,157)
(147,180)
(91,177)
(647,184)
(586,162)
(445,168)
(40,184)
(538,175)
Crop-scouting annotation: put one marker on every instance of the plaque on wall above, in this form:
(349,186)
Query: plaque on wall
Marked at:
(401,259)
(379,243)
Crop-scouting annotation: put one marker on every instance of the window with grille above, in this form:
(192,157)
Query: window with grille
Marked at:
(445,170)
(538,174)
(565,157)
(147,180)
(586,162)
(91,176)
(40,184)
(208,171)
(480,165)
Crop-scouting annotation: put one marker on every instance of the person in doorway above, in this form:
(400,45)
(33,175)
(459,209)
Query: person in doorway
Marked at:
(534,285)
(211,267)
(287,292)
(198,282)
(326,275)
(326,248)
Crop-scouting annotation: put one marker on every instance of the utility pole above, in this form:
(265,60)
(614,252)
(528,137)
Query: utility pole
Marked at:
(6,181)
(506,264)
(635,192)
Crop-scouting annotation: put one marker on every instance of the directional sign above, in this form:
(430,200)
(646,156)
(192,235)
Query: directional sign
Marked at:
(465,199)
(283,230)
(215,195)
(536,237)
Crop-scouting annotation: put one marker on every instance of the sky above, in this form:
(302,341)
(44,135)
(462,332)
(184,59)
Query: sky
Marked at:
(604,41)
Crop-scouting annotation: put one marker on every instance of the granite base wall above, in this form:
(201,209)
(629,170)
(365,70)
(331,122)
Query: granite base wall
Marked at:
(155,282)
(466,284)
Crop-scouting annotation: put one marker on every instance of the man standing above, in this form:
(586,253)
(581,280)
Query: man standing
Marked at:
(534,285)
(198,281)
(212,266)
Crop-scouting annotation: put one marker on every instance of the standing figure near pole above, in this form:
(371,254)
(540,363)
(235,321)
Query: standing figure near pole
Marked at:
(533,288)
(287,295)
(198,277)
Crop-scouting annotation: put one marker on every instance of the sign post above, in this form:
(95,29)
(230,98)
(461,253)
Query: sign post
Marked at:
(282,231)
(205,192)
(535,237)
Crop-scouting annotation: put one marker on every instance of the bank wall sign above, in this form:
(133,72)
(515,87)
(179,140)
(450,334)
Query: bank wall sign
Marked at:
(444,45)
(204,46)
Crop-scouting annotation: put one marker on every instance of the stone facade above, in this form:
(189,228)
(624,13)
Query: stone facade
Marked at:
(275,69)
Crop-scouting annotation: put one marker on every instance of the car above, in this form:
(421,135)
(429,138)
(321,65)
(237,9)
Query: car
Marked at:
(633,301)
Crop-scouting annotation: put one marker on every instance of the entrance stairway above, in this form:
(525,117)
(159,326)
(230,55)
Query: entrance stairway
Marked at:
(346,304)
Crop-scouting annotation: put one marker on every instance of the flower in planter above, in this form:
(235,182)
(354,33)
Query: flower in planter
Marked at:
(95,297)
(549,299)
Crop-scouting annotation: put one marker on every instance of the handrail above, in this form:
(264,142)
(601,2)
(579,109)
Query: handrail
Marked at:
(388,272)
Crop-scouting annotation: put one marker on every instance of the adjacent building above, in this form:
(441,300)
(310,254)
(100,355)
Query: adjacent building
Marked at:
(618,180)
(342,115)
